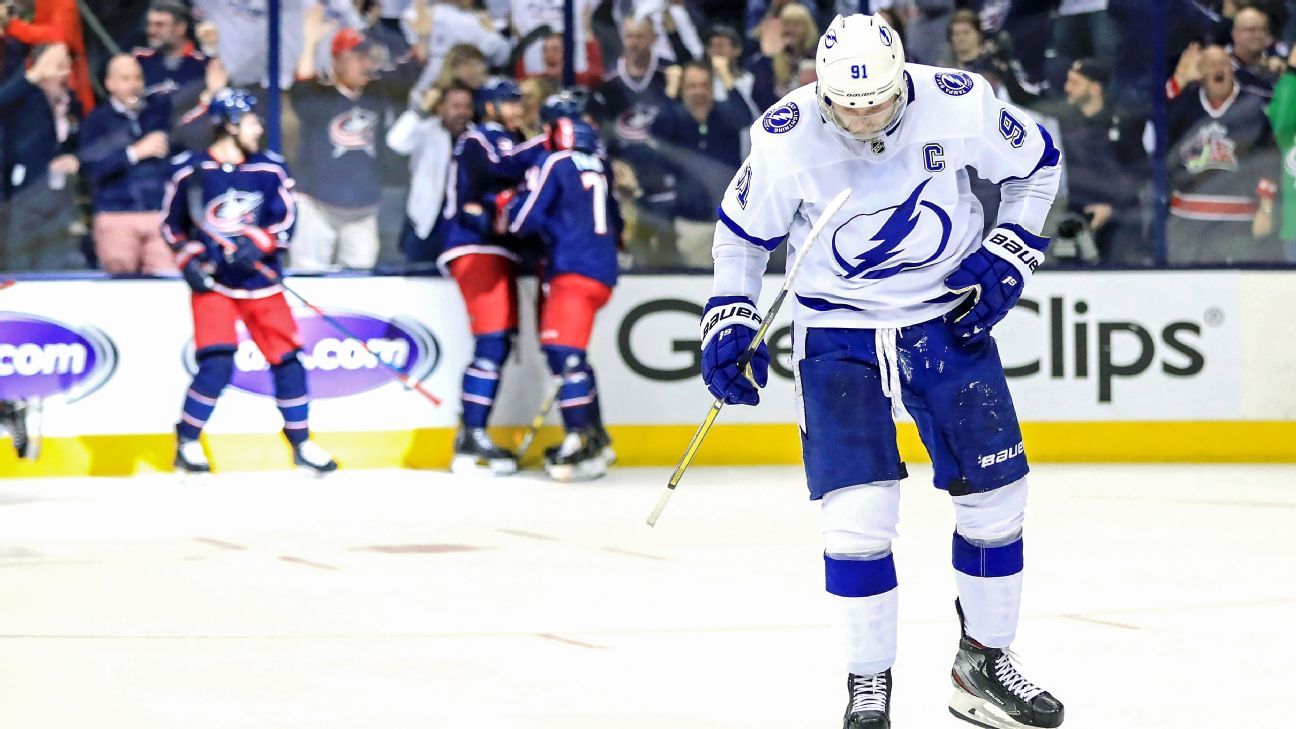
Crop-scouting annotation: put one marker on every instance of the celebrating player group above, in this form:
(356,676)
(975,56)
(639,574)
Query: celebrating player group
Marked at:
(893,310)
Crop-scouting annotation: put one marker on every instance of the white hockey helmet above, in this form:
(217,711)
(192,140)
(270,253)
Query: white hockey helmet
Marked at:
(861,88)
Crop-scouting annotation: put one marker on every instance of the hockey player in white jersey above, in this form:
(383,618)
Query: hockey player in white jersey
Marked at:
(893,309)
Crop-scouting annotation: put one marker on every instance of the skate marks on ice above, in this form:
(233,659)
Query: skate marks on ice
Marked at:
(163,605)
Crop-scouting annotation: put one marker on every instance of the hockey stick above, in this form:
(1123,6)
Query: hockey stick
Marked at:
(274,278)
(744,360)
(545,406)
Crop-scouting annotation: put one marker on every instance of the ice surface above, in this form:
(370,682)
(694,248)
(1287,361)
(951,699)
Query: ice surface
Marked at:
(1155,597)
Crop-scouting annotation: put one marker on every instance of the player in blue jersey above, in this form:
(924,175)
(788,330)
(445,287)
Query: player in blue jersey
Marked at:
(488,158)
(229,214)
(568,204)
(892,309)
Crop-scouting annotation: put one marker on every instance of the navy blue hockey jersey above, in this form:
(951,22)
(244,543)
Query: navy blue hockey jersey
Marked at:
(487,159)
(570,206)
(208,204)
(165,74)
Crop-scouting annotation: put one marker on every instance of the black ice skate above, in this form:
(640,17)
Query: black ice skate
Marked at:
(190,458)
(868,704)
(990,692)
(603,442)
(13,418)
(578,458)
(475,452)
(310,458)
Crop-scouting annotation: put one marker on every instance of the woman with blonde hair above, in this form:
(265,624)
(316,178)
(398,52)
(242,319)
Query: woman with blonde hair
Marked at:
(786,39)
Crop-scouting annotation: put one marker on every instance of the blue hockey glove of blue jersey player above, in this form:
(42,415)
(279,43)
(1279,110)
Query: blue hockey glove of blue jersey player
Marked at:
(993,276)
(729,324)
(197,275)
(251,247)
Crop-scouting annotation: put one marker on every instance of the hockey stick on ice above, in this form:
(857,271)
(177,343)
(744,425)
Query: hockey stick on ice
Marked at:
(269,273)
(538,421)
(744,360)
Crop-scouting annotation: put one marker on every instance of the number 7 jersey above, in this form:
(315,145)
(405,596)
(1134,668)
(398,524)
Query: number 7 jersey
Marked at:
(911,217)
(571,208)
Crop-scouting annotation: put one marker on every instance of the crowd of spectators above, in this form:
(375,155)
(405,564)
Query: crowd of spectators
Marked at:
(96,96)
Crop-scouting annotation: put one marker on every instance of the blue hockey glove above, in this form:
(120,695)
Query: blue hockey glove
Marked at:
(994,276)
(251,248)
(729,324)
(196,275)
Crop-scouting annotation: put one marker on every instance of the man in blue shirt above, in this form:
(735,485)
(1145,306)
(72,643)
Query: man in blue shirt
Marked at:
(124,150)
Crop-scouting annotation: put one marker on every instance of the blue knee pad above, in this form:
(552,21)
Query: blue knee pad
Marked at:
(578,395)
(481,377)
(292,397)
(215,368)
(494,347)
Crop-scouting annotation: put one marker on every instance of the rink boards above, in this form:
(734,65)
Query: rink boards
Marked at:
(1119,366)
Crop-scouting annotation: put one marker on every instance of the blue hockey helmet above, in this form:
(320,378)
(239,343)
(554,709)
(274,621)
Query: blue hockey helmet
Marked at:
(229,105)
(568,133)
(498,89)
(566,103)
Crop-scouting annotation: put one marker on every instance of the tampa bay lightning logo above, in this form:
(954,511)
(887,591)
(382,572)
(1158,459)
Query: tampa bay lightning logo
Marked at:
(954,83)
(885,34)
(885,253)
(830,38)
(234,210)
(782,119)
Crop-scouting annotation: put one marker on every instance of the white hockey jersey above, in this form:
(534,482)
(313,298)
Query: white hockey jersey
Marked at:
(911,218)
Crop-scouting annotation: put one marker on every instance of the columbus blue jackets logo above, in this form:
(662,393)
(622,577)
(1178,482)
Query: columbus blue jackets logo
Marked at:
(954,83)
(781,119)
(353,130)
(234,210)
(876,245)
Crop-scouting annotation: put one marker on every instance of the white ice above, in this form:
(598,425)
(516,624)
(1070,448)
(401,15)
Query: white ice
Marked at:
(1156,596)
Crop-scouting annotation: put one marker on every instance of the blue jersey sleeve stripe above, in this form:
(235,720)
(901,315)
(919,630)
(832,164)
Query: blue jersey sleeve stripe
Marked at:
(768,244)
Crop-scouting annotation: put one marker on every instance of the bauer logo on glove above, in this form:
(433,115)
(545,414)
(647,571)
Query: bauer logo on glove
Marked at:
(729,324)
(993,277)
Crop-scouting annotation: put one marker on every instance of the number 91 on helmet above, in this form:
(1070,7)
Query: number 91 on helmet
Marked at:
(861,87)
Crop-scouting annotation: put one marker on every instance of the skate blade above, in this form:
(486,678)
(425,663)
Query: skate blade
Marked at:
(470,465)
(314,472)
(588,471)
(982,713)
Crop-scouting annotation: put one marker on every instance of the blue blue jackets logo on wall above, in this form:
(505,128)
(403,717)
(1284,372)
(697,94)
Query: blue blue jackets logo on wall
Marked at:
(954,83)
(781,119)
(885,35)
(876,245)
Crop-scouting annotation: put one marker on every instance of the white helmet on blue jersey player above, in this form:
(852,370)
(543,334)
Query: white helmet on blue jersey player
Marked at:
(860,65)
